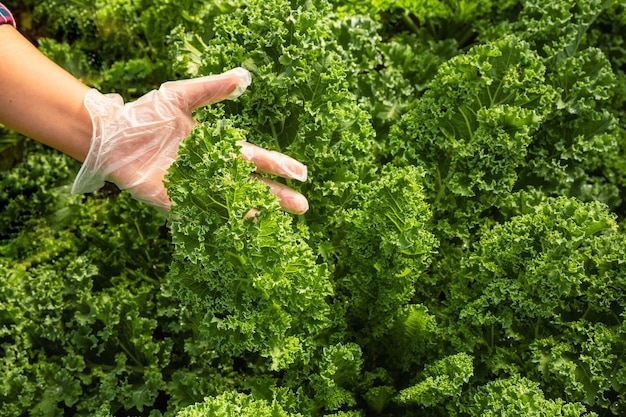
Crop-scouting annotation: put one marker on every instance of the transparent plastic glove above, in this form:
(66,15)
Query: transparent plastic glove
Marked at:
(134,144)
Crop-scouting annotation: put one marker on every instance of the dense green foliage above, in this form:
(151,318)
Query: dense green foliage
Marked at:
(464,253)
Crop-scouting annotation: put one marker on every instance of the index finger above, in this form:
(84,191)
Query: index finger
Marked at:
(272,162)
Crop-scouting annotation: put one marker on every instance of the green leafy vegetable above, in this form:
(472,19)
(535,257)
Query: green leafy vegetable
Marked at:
(463,254)
(254,283)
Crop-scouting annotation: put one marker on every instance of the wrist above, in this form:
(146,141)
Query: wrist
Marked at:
(77,129)
(98,163)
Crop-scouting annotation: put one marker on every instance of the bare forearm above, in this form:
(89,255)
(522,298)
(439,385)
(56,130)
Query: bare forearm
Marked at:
(40,99)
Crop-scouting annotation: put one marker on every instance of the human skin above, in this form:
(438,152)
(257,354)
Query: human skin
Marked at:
(40,99)
(43,101)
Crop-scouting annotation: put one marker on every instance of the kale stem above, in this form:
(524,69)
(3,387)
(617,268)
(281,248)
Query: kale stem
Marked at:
(275,136)
(109,368)
(133,357)
(440,185)
(410,23)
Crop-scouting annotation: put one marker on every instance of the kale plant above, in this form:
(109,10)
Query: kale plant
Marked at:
(463,254)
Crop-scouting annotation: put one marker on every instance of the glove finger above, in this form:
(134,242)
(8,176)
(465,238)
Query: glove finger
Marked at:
(251,213)
(272,162)
(199,92)
(290,200)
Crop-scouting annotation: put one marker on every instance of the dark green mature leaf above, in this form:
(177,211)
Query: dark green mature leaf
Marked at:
(472,128)
(549,283)
(557,29)
(384,249)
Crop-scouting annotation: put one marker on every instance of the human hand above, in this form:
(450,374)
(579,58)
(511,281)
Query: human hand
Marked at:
(134,144)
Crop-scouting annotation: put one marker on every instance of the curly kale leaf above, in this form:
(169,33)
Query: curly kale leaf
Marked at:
(557,29)
(584,362)
(578,150)
(114,45)
(436,20)
(383,249)
(387,72)
(439,381)
(29,189)
(299,102)
(472,128)
(254,284)
(521,397)
(79,304)
(576,146)
(500,118)
(340,372)
(545,262)
(233,404)
(549,284)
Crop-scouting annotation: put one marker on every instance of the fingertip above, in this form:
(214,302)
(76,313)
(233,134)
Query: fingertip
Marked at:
(303,205)
(304,173)
(251,214)
(293,202)
(209,89)
(244,80)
